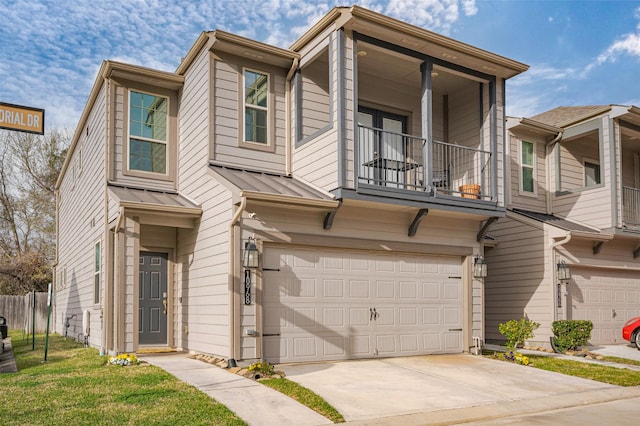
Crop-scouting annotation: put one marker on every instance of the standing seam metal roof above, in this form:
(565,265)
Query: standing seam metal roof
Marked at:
(269,183)
(556,221)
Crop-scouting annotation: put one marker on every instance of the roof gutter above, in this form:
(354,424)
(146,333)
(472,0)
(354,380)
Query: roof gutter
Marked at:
(232,293)
(287,96)
(289,200)
(554,289)
(547,157)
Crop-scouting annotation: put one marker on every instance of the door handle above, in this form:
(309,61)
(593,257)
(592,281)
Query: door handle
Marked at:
(164,306)
(375,314)
(370,314)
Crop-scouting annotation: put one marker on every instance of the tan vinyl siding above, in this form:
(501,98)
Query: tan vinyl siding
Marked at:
(519,200)
(131,269)
(517,284)
(121,136)
(81,225)
(201,314)
(591,205)
(317,161)
(228,113)
(380,227)
(315,106)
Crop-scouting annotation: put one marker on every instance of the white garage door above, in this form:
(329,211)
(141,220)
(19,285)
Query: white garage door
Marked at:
(326,305)
(606,297)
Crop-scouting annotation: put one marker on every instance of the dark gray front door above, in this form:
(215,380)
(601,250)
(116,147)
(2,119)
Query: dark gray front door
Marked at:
(152,304)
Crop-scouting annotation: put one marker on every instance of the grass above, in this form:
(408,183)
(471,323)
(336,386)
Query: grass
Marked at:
(601,373)
(621,360)
(305,397)
(75,387)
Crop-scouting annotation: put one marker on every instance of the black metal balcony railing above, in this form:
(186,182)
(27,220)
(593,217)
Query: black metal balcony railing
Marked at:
(397,160)
(631,206)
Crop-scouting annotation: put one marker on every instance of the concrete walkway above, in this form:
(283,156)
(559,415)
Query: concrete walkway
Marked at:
(254,403)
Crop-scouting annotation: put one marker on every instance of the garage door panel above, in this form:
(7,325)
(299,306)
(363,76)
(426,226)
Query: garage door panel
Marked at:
(606,297)
(333,317)
(409,343)
(359,316)
(408,290)
(432,342)
(430,316)
(431,290)
(305,347)
(452,340)
(333,288)
(384,290)
(360,346)
(334,346)
(386,344)
(451,317)
(385,316)
(359,305)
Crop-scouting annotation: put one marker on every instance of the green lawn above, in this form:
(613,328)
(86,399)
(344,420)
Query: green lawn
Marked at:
(597,372)
(75,387)
(305,397)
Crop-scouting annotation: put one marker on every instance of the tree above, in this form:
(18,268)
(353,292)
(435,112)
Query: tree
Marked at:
(29,167)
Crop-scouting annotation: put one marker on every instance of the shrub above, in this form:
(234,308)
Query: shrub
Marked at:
(569,334)
(263,367)
(517,331)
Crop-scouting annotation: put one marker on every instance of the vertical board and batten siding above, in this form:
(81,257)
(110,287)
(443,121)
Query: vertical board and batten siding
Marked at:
(80,225)
(200,296)
(591,206)
(227,101)
(121,135)
(519,283)
(538,202)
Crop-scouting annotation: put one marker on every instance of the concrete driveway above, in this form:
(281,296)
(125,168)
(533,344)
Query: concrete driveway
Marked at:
(374,389)
(627,351)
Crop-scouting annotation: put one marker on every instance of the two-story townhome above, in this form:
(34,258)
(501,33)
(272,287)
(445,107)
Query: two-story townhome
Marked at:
(321,202)
(573,197)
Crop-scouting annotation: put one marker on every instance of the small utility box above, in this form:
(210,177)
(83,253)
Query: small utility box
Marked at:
(4,331)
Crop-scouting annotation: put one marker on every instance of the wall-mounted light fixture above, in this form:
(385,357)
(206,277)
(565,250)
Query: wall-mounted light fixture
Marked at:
(479,267)
(564,273)
(250,255)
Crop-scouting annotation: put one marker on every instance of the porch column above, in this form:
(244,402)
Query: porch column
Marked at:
(426,122)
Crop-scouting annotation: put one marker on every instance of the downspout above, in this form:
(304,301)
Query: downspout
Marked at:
(548,173)
(232,305)
(287,100)
(554,262)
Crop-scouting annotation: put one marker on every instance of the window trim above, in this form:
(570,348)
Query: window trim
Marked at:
(585,161)
(127,151)
(97,272)
(521,166)
(243,142)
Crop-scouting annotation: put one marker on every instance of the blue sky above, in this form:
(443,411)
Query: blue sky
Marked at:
(580,52)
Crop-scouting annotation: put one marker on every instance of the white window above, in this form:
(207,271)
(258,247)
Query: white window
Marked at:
(591,173)
(96,273)
(256,107)
(148,132)
(527,168)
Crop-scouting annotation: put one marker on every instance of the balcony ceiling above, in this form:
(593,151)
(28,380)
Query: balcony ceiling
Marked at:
(393,66)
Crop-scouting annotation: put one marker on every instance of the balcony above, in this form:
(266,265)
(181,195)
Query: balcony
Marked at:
(397,161)
(631,206)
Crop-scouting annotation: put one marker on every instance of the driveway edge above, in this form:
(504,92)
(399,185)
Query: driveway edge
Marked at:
(507,409)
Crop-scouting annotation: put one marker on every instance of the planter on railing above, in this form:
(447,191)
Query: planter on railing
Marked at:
(470,190)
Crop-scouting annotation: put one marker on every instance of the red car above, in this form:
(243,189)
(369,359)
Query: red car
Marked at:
(631,331)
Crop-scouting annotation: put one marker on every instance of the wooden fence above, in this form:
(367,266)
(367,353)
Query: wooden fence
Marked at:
(18,311)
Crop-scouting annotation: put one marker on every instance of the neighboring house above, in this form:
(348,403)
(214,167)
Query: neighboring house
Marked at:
(573,197)
(363,164)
